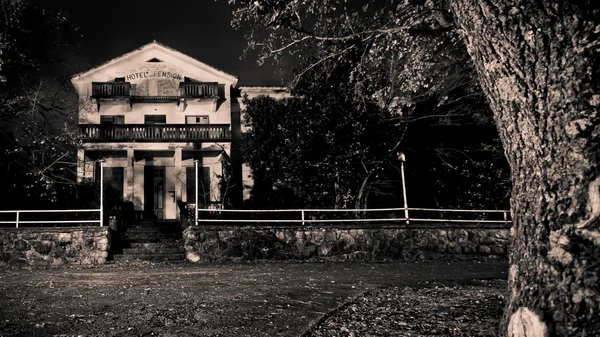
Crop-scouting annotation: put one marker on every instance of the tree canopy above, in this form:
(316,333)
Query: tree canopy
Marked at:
(37,109)
(417,70)
(320,148)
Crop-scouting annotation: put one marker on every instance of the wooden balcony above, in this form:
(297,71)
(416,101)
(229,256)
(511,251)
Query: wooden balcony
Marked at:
(107,91)
(111,89)
(200,90)
(155,133)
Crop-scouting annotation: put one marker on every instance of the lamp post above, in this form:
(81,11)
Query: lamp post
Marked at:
(402,159)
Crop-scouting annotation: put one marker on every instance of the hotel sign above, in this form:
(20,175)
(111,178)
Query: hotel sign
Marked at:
(143,74)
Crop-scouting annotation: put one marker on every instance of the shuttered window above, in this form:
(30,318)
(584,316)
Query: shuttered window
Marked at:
(196,119)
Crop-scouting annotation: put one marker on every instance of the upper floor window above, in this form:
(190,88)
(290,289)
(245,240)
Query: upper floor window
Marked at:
(155,119)
(112,119)
(196,119)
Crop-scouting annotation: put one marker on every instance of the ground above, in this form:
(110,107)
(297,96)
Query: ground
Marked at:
(254,299)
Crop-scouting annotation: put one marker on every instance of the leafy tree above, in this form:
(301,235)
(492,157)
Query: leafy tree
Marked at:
(449,167)
(537,63)
(37,110)
(320,149)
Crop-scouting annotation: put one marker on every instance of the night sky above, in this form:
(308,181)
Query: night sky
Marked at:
(198,28)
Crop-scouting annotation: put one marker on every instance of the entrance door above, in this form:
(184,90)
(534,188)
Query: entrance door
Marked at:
(154,192)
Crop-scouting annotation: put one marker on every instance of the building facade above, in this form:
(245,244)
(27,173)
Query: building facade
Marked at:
(152,115)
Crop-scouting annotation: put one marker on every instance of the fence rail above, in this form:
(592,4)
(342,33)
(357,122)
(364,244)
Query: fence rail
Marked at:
(42,214)
(356,216)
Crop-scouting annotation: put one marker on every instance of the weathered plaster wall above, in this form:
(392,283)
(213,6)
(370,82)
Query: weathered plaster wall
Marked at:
(54,246)
(214,243)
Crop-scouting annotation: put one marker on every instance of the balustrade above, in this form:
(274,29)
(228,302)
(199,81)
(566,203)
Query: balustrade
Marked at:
(164,132)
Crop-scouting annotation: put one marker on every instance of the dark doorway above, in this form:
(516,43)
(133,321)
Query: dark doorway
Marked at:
(154,192)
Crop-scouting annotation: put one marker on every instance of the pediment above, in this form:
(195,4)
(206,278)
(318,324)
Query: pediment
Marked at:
(153,61)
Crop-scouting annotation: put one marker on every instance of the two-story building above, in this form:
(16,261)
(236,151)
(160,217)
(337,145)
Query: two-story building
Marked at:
(149,115)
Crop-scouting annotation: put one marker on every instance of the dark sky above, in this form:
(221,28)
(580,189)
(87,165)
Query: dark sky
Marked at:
(198,28)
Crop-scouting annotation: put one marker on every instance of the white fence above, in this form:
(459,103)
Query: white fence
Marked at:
(356,216)
(18,215)
(25,217)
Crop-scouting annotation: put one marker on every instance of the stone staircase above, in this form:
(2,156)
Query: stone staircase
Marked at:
(151,240)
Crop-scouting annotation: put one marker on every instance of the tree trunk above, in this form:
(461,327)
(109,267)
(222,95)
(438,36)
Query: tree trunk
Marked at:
(538,65)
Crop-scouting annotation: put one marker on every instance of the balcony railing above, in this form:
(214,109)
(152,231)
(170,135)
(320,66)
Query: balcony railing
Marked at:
(186,90)
(199,90)
(155,133)
(111,89)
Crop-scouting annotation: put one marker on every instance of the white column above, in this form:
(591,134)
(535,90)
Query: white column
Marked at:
(129,176)
(180,179)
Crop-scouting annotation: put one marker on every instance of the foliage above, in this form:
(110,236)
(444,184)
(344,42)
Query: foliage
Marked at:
(315,151)
(226,181)
(407,58)
(37,138)
(405,49)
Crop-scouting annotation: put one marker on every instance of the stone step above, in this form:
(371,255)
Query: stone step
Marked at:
(157,250)
(127,242)
(165,223)
(149,257)
(150,235)
(154,230)
(155,245)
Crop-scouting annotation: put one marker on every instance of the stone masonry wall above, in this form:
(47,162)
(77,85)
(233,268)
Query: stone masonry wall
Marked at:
(214,243)
(54,246)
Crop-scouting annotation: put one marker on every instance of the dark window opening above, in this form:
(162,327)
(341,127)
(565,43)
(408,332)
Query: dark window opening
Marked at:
(196,119)
(112,120)
(155,119)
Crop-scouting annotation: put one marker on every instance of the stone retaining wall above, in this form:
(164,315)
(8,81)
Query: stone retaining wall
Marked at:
(54,246)
(221,243)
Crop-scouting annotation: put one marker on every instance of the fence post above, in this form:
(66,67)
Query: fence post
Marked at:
(302,217)
(505,219)
(196,189)
(17,223)
(101,192)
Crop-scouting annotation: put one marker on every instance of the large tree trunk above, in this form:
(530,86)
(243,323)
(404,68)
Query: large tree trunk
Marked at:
(538,64)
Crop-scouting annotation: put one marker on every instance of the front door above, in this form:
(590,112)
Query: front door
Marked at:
(159,192)
(154,192)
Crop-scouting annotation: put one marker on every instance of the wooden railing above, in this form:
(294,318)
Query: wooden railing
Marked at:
(110,89)
(155,133)
(186,90)
(199,90)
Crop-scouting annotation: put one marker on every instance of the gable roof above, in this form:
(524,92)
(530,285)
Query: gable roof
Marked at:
(161,49)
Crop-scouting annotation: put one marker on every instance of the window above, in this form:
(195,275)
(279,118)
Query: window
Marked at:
(112,119)
(196,119)
(119,79)
(155,119)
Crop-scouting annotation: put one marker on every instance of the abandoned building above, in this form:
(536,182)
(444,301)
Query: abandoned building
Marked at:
(153,115)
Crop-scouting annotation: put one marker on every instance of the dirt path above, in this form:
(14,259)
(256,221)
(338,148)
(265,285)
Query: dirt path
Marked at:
(271,299)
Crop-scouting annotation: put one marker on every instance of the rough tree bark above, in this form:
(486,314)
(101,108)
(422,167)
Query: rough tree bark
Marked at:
(538,63)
